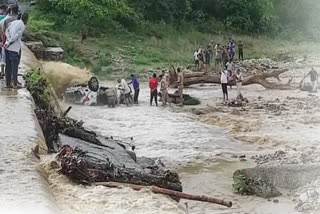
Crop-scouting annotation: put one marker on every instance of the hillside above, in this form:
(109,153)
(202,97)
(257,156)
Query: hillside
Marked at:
(132,40)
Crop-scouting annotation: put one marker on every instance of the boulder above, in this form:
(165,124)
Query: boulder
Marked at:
(53,53)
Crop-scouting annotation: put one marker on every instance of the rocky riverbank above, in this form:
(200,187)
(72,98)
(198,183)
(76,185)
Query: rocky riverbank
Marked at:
(282,124)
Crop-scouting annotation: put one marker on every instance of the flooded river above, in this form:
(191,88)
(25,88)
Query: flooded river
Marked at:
(200,153)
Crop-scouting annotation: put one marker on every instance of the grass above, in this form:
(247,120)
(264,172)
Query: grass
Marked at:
(118,54)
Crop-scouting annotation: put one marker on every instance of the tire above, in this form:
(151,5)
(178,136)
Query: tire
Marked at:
(93,84)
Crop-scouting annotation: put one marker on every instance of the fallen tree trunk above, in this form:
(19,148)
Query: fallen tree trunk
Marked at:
(85,163)
(175,194)
(261,79)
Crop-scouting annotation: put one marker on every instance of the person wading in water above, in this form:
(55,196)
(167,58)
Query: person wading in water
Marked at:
(125,89)
(314,79)
(164,85)
(153,85)
(136,88)
(180,86)
(224,84)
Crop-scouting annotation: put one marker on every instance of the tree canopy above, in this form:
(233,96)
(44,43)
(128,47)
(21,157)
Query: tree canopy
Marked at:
(243,16)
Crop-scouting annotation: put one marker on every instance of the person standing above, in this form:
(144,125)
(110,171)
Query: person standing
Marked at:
(3,9)
(136,88)
(218,57)
(14,31)
(314,79)
(201,60)
(240,49)
(208,55)
(196,59)
(231,47)
(153,85)
(224,56)
(84,32)
(224,84)
(180,86)
(239,79)
(230,69)
(164,90)
(125,89)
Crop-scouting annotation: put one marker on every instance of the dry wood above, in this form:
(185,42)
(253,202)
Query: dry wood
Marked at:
(261,79)
(171,193)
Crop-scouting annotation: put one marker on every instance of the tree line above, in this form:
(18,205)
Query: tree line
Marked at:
(216,16)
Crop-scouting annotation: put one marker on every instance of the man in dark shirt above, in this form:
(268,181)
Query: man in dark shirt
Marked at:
(136,88)
(240,47)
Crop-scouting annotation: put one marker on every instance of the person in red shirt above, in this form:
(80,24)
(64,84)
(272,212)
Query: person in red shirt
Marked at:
(153,85)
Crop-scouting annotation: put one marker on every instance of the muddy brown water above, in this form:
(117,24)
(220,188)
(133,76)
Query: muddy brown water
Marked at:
(200,153)
(23,189)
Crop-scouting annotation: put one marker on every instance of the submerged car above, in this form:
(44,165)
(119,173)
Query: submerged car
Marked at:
(92,94)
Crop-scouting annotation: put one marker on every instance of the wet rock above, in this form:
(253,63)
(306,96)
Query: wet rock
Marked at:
(276,201)
(242,156)
(246,182)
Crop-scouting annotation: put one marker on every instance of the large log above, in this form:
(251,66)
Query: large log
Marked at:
(261,79)
(86,163)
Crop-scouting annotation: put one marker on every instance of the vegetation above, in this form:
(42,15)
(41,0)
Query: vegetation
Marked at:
(128,36)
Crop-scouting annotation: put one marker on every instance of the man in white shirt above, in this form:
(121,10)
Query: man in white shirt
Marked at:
(230,69)
(239,79)
(224,84)
(196,59)
(12,47)
(126,91)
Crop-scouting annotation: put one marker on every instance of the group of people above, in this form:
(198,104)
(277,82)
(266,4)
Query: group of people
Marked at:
(218,54)
(154,82)
(12,26)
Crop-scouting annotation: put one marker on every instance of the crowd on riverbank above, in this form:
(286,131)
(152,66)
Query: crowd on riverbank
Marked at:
(223,58)
(218,55)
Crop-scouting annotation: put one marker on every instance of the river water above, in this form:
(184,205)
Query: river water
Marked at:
(200,153)
(22,186)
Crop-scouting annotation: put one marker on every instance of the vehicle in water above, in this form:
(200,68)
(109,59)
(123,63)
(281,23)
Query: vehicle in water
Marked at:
(93,94)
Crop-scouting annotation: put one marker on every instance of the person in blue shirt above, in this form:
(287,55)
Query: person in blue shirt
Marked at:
(3,9)
(136,88)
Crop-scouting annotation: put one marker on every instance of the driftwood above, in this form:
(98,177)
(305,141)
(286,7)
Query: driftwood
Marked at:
(170,193)
(86,164)
(261,79)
